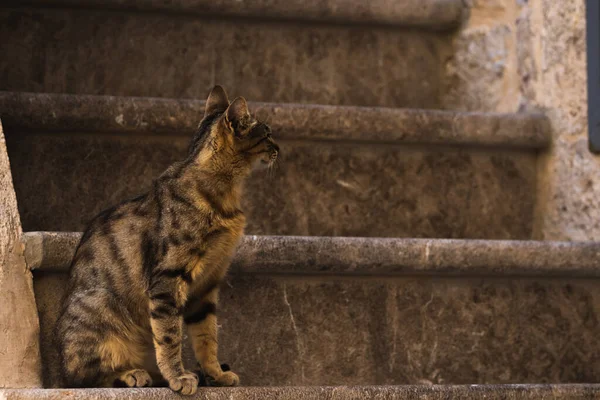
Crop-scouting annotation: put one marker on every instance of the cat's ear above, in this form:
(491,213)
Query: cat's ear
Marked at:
(237,111)
(217,101)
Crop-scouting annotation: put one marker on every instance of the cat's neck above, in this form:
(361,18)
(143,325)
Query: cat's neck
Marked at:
(219,184)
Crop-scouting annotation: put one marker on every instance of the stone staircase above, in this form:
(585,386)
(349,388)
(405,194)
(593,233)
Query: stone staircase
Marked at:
(344,171)
(390,256)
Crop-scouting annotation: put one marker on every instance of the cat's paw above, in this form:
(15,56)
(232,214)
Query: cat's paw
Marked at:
(134,378)
(227,378)
(204,380)
(186,383)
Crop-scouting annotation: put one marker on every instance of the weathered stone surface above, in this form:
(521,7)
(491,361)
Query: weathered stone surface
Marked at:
(305,255)
(321,188)
(406,191)
(383,330)
(470,392)
(552,68)
(19,327)
(302,311)
(148,54)
(64,113)
(531,55)
(482,70)
(434,14)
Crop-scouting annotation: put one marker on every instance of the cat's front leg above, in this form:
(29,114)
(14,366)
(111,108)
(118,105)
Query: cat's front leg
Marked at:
(167,295)
(200,317)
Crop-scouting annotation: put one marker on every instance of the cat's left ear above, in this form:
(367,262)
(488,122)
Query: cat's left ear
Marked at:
(217,101)
(237,113)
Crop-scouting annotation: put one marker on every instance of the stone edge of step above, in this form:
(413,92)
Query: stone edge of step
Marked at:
(375,125)
(430,14)
(354,256)
(522,391)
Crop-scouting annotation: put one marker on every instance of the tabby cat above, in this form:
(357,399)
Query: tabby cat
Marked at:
(148,265)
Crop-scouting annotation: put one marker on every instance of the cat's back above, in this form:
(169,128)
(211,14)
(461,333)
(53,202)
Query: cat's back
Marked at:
(108,255)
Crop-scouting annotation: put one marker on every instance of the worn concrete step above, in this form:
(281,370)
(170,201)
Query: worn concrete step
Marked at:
(431,14)
(364,311)
(96,47)
(422,392)
(344,171)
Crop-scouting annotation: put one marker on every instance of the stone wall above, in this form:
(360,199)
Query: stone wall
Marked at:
(525,55)
(480,75)
(19,327)
(554,59)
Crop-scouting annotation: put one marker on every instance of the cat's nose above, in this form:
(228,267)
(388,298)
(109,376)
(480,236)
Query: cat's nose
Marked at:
(272,146)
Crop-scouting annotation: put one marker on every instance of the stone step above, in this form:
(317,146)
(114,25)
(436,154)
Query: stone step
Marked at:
(344,171)
(438,392)
(364,311)
(354,256)
(95,47)
(430,14)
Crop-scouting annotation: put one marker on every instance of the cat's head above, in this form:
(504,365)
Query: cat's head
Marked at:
(230,138)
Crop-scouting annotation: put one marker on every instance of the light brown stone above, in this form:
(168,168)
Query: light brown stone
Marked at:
(358,311)
(422,392)
(432,14)
(290,121)
(297,330)
(19,327)
(481,72)
(310,255)
(531,56)
(410,172)
(554,75)
(182,56)
(323,189)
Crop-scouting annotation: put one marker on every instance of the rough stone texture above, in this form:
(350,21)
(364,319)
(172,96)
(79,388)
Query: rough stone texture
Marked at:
(381,330)
(405,191)
(434,14)
(471,392)
(321,189)
(531,55)
(554,61)
(327,311)
(149,54)
(80,113)
(19,327)
(305,255)
(481,72)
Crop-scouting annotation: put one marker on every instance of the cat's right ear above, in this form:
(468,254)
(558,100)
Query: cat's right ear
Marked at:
(217,101)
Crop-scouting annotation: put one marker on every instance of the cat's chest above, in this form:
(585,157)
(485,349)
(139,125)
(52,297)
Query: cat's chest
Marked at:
(215,249)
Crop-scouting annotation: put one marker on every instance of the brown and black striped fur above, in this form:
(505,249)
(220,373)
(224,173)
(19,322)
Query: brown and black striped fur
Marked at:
(148,265)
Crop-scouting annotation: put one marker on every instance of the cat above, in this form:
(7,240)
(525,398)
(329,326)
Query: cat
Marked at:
(146,266)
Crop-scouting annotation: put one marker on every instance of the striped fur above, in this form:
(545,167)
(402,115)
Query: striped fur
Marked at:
(146,267)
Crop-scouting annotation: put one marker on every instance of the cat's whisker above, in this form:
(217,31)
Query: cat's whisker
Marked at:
(274,168)
(270,171)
